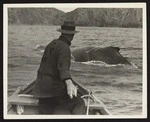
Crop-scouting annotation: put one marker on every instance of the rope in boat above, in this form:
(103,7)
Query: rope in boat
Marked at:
(88,96)
(88,99)
(88,105)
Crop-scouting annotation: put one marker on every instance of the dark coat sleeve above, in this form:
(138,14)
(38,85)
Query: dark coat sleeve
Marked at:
(64,60)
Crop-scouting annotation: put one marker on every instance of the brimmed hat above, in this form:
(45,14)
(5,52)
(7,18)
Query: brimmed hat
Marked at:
(68,28)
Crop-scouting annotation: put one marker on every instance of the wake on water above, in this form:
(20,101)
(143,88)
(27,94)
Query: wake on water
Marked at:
(101,63)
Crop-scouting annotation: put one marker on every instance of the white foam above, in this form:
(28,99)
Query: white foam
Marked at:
(101,63)
(134,65)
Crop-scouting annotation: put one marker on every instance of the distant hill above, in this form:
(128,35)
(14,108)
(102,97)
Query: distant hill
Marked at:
(35,16)
(107,17)
(101,17)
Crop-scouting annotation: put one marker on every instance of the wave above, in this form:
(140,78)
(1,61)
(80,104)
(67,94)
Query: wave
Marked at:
(132,48)
(104,64)
(40,47)
(18,56)
(101,63)
(127,85)
(137,90)
(121,84)
(101,83)
(134,65)
(13,65)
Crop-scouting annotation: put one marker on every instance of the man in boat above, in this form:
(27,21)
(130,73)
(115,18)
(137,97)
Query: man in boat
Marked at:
(54,84)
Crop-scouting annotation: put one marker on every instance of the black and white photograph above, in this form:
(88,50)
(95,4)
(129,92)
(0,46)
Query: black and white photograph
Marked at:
(74,60)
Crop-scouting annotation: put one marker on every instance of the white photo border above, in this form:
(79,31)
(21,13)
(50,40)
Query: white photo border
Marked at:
(73,5)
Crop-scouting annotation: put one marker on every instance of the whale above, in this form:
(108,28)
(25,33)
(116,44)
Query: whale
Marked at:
(109,55)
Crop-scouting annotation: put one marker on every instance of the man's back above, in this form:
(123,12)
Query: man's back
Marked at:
(54,68)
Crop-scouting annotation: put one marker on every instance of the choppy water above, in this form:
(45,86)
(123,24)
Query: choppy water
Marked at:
(118,86)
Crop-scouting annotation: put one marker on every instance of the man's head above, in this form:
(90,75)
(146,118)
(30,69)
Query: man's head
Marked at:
(68,30)
(69,37)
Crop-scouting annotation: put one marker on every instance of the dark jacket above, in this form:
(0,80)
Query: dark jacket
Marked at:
(54,69)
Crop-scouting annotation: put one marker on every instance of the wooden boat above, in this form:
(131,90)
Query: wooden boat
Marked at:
(22,102)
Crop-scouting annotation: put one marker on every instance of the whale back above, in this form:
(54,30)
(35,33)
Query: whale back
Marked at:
(109,55)
(81,54)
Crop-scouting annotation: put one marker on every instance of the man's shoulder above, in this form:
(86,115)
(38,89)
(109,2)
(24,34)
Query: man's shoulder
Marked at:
(56,41)
(61,43)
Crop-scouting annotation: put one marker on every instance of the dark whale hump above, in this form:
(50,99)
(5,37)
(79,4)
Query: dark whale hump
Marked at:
(81,54)
(116,48)
(109,55)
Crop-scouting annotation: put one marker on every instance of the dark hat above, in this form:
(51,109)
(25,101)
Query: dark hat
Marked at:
(68,28)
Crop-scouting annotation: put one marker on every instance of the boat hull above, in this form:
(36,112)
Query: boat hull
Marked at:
(22,102)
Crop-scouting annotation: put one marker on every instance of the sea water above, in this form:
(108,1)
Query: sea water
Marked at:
(118,86)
